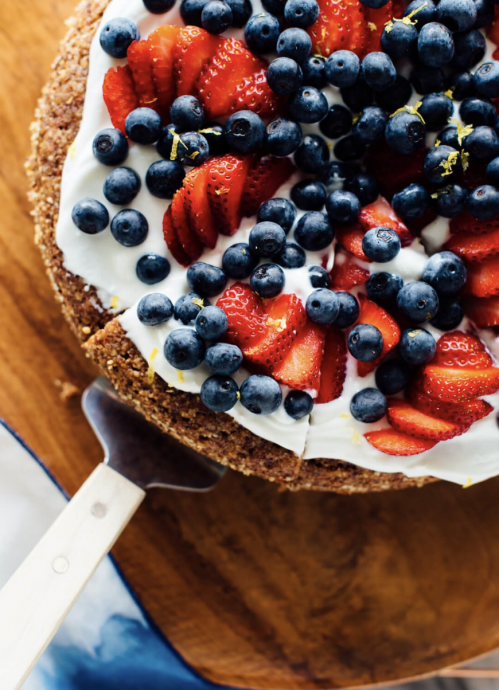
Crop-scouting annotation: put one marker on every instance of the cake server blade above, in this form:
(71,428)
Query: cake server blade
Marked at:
(40,594)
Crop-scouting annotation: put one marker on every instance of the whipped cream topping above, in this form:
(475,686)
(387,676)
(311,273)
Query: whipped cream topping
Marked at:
(330,431)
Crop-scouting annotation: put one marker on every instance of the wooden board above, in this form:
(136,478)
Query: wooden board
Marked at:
(255,588)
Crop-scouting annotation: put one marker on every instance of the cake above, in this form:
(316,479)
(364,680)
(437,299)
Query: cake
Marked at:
(288,262)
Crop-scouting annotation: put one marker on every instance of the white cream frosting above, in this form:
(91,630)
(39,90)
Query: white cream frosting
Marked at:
(330,431)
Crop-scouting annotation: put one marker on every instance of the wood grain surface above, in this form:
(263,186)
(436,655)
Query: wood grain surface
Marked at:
(255,588)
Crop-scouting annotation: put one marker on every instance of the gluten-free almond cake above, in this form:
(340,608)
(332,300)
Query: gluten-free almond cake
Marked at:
(274,226)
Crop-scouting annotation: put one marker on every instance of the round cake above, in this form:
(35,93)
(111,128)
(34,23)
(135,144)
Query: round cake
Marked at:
(274,226)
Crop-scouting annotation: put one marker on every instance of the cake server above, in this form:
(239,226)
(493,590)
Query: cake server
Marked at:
(138,456)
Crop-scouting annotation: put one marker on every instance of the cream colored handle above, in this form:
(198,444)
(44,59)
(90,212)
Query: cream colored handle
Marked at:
(40,594)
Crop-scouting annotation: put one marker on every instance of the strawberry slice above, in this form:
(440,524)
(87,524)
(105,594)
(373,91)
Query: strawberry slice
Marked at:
(264,179)
(381,214)
(492,30)
(458,385)
(394,442)
(483,311)
(286,318)
(197,206)
(341,25)
(119,95)
(375,22)
(140,62)
(371,313)
(222,74)
(474,247)
(458,349)
(300,368)
(465,224)
(226,182)
(347,273)
(194,48)
(161,47)
(474,175)
(190,243)
(465,414)
(483,278)
(254,94)
(333,367)
(408,420)
(172,241)
(244,310)
(350,238)
(398,170)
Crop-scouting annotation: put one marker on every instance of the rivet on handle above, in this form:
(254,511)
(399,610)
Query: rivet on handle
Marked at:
(98,510)
(60,565)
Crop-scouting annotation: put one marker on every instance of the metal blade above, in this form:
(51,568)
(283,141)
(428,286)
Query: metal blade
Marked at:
(139,450)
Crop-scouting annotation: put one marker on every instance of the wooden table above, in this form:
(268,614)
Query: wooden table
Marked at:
(254,587)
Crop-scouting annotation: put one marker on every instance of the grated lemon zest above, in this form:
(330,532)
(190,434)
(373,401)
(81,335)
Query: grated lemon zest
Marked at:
(413,334)
(114,302)
(468,483)
(356,438)
(448,163)
(412,109)
(176,139)
(345,415)
(450,93)
(437,142)
(72,150)
(198,302)
(209,130)
(223,190)
(150,370)
(372,26)
(465,160)
(462,130)
(180,375)
(238,395)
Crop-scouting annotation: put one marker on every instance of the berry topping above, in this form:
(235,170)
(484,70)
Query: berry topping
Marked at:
(129,227)
(184,349)
(368,405)
(417,346)
(90,216)
(223,358)
(110,147)
(117,35)
(219,393)
(121,186)
(154,309)
(152,269)
(211,323)
(260,394)
(365,343)
(298,404)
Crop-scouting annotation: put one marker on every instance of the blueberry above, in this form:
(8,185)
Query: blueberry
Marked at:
(358,96)
(405,132)
(440,164)
(342,68)
(392,376)
(337,122)
(298,404)
(364,186)
(374,4)
(152,268)
(436,109)
(266,239)
(244,131)
(343,207)
(314,73)
(482,144)
(417,301)
(241,12)
(322,306)
(154,309)
(477,111)
(427,79)
(314,232)
(282,137)
(411,202)
(214,135)
(370,126)
(205,279)
(425,13)
(398,39)
(381,244)
(301,13)
(117,35)
(193,149)
(187,114)
(336,175)
(312,156)
(164,178)
(216,16)
(260,394)
(188,307)
(184,349)
(435,45)
(397,96)
(294,43)
(350,148)
(309,195)
(219,393)
(368,405)
(284,76)
(158,6)
(451,200)
(121,186)
(378,71)
(457,15)
(211,323)
(462,85)
(223,359)
(450,314)
(319,277)
(143,126)
(384,287)
(90,216)
(308,105)
(365,342)
(417,346)
(261,33)
(348,311)
(470,48)
(486,79)
(483,202)
(492,172)
(277,210)
(267,280)
(110,147)
(450,137)
(274,6)
(190,11)
(292,256)
(129,227)
(484,13)
(238,261)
